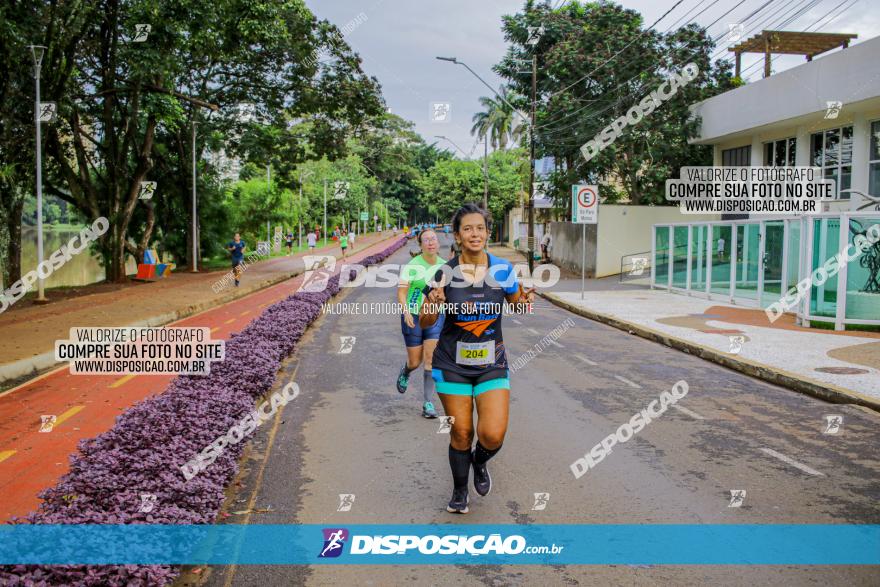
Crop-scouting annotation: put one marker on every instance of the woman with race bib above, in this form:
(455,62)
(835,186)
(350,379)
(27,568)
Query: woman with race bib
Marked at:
(420,342)
(470,364)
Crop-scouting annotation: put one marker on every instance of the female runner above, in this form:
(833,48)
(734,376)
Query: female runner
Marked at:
(420,342)
(470,365)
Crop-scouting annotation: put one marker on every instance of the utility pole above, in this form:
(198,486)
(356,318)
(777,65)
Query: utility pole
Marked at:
(195,226)
(325,211)
(37,52)
(269,183)
(486,171)
(531,238)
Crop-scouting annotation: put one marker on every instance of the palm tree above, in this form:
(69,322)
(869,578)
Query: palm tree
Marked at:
(499,120)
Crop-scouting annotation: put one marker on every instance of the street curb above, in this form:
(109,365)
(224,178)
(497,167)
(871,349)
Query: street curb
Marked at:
(33,367)
(817,389)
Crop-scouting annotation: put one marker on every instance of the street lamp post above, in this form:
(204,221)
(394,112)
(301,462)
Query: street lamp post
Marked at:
(325,211)
(531,122)
(453,144)
(37,52)
(531,238)
(195,226)
(486,171)
(268,221)
(301,177)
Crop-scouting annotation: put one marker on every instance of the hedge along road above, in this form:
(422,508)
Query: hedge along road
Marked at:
(87,405)
(350,432)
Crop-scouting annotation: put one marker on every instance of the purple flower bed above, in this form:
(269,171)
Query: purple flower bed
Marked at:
(144,450)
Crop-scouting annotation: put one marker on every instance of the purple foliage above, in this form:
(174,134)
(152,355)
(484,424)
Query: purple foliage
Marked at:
(144,450)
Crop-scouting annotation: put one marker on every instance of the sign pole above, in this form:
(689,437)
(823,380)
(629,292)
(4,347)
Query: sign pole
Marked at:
(583,257)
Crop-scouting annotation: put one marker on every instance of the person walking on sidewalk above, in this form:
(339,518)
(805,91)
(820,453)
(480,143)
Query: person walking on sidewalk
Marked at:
(289,244)
(236,247)
(312,238)
(470,364)
(420,342)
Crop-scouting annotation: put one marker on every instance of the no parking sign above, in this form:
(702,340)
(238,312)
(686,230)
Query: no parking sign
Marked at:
(584,204)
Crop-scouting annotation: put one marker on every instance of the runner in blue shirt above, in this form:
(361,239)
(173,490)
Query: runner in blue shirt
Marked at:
(236,246)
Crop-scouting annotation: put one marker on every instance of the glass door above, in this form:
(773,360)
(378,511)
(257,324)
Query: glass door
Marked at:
(771,265)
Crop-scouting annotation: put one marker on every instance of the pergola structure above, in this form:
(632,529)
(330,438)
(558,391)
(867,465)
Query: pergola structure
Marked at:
(789,43)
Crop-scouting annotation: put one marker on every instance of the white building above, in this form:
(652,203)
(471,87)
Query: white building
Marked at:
(791,118)
(824,113)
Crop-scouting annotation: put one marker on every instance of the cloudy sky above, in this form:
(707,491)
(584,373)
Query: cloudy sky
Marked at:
(399,40)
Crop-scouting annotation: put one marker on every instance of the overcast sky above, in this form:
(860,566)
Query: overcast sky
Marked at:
(398,41)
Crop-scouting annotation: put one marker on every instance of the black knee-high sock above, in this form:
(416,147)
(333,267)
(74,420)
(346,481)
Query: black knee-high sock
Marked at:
(460,463)
(483,454)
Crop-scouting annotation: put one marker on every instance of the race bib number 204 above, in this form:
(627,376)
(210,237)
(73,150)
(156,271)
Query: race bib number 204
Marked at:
(475,353)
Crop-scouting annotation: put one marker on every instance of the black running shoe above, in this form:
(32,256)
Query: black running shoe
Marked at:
(459,502)
(402,380)
(482,479)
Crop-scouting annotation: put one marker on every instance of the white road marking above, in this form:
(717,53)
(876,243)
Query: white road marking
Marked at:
(792,462)
(688,412)
(627,381)
(556,343)
(533,331)
(586,360)
(517,321)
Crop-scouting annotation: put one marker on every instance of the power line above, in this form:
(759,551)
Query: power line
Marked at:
(578,111)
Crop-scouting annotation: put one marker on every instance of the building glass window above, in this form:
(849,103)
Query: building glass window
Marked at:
(779,153)
(737,157)
(874,160)
(832,151)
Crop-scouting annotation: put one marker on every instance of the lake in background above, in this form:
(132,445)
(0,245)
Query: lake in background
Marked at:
(82,269)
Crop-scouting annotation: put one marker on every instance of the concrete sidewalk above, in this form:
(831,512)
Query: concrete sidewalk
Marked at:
(841,367)
(29,331)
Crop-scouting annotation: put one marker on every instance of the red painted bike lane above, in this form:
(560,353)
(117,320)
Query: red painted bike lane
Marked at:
(87,405)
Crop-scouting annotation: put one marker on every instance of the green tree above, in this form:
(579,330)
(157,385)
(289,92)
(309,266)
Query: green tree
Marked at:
(596,60)
(499,120)
(126,108)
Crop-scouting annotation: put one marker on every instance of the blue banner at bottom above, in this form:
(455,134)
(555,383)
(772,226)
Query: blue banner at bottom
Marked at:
(563,544)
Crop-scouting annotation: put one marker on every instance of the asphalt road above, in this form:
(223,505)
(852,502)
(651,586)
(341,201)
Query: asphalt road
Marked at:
(350,432)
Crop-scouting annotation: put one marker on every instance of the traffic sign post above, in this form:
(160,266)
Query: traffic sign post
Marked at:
(584,210)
